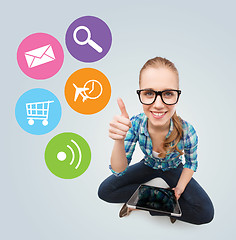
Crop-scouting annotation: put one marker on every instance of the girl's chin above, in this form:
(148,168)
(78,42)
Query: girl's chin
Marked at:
(158,122)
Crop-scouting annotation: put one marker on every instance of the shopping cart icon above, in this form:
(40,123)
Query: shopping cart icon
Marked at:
(38,111)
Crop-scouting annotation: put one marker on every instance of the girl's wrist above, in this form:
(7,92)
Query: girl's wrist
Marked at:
(120,141)
(180,188)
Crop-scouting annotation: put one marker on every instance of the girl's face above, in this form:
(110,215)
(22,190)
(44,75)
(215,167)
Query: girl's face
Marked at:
(159,79)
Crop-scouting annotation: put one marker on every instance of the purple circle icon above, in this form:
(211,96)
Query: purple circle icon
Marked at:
(88,39)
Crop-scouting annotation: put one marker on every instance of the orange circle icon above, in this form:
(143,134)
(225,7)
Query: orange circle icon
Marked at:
(87,91)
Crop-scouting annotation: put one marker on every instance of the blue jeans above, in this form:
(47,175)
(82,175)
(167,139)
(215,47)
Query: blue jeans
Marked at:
(194,202)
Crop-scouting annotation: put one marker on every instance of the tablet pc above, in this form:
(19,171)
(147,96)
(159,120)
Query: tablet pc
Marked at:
(157,199)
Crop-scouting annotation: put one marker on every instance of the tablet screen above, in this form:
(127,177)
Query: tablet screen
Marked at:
(156,199)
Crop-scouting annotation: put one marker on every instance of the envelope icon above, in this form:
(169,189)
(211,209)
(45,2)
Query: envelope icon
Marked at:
(39,56)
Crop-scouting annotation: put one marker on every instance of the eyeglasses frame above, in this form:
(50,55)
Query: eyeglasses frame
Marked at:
(158,93)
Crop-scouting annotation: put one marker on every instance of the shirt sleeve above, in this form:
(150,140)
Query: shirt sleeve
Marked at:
(190,148)
(130,143)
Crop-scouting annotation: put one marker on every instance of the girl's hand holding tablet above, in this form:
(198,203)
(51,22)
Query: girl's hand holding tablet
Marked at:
(178,192)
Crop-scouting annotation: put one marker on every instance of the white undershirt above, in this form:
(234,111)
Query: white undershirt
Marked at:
(155,154)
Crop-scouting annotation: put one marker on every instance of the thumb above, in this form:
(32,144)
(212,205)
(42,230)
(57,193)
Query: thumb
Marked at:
(122,108)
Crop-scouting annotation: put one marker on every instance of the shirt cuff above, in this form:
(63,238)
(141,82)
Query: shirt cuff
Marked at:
(118,174)
(191,166)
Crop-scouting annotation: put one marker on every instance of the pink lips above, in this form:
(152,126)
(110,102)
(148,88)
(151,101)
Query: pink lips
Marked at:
(158,117)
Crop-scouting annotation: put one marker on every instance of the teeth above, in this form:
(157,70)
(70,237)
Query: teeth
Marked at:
(158,114)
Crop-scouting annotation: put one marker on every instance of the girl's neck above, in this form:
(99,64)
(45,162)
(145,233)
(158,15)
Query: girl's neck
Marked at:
(158,129)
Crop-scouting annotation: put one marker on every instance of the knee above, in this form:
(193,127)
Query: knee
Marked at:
(106,191)
(209,213)
(206,214)
(103,192)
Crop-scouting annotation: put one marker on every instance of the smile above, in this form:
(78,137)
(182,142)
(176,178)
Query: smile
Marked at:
(158,114)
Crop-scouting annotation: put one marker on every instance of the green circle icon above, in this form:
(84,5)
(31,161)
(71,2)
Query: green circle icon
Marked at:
(67,155)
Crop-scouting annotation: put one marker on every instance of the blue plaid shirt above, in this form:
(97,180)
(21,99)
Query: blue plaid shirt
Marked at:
(138,132)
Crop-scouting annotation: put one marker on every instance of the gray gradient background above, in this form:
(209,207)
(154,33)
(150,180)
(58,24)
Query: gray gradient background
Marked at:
(198,36)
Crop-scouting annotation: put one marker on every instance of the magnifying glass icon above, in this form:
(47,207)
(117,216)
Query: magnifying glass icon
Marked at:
(88,40)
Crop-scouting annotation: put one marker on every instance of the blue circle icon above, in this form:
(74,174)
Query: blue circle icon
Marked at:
(38,111)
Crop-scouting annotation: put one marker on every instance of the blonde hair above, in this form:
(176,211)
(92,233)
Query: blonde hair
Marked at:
(170,143)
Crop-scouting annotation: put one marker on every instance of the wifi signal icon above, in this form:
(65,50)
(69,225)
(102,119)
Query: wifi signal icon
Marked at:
(61,156)
(67,155)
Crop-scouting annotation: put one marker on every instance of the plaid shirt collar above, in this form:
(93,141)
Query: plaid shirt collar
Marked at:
(144,130)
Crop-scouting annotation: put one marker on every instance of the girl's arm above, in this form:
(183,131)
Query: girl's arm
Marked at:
(118,157)
(184,179)
(190,154)
(119,127)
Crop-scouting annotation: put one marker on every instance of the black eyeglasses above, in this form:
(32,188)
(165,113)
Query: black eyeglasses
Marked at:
(149,96)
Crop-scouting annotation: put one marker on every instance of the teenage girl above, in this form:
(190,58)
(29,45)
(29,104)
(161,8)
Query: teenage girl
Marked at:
(164,138)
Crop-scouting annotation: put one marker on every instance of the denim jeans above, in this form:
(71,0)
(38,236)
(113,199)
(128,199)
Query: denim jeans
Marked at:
(194,202)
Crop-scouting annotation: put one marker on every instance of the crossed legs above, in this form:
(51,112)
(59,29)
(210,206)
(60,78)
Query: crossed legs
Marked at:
(194,202)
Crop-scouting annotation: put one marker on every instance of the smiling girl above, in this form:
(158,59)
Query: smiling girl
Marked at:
(164,138)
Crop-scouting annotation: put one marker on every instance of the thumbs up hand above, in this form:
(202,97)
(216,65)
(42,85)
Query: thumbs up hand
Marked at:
(120,124)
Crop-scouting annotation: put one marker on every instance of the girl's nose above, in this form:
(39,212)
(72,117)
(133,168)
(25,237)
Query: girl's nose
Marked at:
(158,102)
